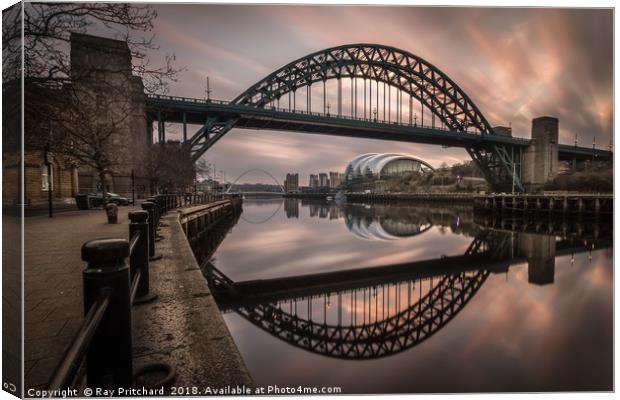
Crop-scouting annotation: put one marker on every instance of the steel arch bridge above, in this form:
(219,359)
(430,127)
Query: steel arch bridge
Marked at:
(445,298)
(244,173)
(385,84)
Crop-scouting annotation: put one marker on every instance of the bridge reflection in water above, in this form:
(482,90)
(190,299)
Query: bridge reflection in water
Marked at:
(377,311)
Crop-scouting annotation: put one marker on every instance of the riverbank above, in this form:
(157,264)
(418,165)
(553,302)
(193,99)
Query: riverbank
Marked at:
(184,326)
(594,204)
(412,197)
(389,197)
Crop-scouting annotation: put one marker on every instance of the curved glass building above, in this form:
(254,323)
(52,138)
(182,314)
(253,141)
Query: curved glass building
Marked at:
(383,165)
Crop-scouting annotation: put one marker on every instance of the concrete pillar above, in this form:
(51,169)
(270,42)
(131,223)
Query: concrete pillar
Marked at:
(540,159)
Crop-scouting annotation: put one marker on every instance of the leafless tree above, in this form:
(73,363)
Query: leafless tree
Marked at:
(64,111)
(203,169)
(46,34)
(80,123)
(170,167)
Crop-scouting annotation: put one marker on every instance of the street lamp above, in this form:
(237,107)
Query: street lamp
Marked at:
(48,163)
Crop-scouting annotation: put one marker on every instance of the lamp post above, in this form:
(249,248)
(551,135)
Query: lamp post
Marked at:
(48,163)
(133,188)
(213,184)
(223,175)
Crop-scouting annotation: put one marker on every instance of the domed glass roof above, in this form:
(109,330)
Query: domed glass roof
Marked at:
(373,163)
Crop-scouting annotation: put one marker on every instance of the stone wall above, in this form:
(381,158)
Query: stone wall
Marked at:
(64,178)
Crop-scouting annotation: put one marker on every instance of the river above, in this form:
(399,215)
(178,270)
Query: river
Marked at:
(413,299)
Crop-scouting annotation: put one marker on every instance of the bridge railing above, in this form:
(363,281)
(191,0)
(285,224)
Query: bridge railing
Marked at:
(186,99)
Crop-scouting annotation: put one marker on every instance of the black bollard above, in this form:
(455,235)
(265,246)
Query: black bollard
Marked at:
(109,357)
(139,258)
(111,211)
(155,220)
(157,201)
(164,203)
(149,207)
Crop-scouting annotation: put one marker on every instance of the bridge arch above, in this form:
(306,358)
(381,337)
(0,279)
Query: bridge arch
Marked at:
(394,67)
(244,173)
(394,334)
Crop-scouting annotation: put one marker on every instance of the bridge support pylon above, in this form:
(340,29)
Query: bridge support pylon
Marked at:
(540,159)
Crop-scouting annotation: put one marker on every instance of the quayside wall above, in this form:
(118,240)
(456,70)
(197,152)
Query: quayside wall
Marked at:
(185,326)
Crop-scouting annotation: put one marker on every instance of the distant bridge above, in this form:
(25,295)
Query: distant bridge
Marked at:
(260,194)
(256,193)
(373,88)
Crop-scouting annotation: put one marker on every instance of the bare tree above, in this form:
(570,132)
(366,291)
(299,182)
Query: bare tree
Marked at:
(46,35)
(78,113)
(203,169)
(81,124)
(170,167)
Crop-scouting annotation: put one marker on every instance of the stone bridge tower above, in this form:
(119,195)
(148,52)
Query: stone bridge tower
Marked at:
(102,68)
(540,160)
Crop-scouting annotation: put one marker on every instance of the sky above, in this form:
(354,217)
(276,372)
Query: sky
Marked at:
(515,64)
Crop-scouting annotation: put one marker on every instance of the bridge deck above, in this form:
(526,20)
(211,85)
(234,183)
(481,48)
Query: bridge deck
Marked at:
(194,111)
(277,289)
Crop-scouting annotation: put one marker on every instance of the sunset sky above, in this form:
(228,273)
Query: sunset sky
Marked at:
(515,64)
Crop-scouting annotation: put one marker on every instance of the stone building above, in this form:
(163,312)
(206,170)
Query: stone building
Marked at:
(101,75)
(61,175)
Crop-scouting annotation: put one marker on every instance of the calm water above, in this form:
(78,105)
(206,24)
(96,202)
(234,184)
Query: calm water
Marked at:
(450,306)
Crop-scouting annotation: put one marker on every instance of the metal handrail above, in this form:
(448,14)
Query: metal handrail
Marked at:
(133,241)
(135,281)
(70,363)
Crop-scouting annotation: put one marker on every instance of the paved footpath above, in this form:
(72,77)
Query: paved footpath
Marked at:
(53,307)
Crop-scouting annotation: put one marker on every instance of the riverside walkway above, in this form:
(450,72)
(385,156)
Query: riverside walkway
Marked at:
(53,306)
(183,326)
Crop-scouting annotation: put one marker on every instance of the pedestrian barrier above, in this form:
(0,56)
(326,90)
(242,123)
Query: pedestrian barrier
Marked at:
(103,343)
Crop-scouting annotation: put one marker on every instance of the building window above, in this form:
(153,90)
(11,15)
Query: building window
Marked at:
(44,178)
